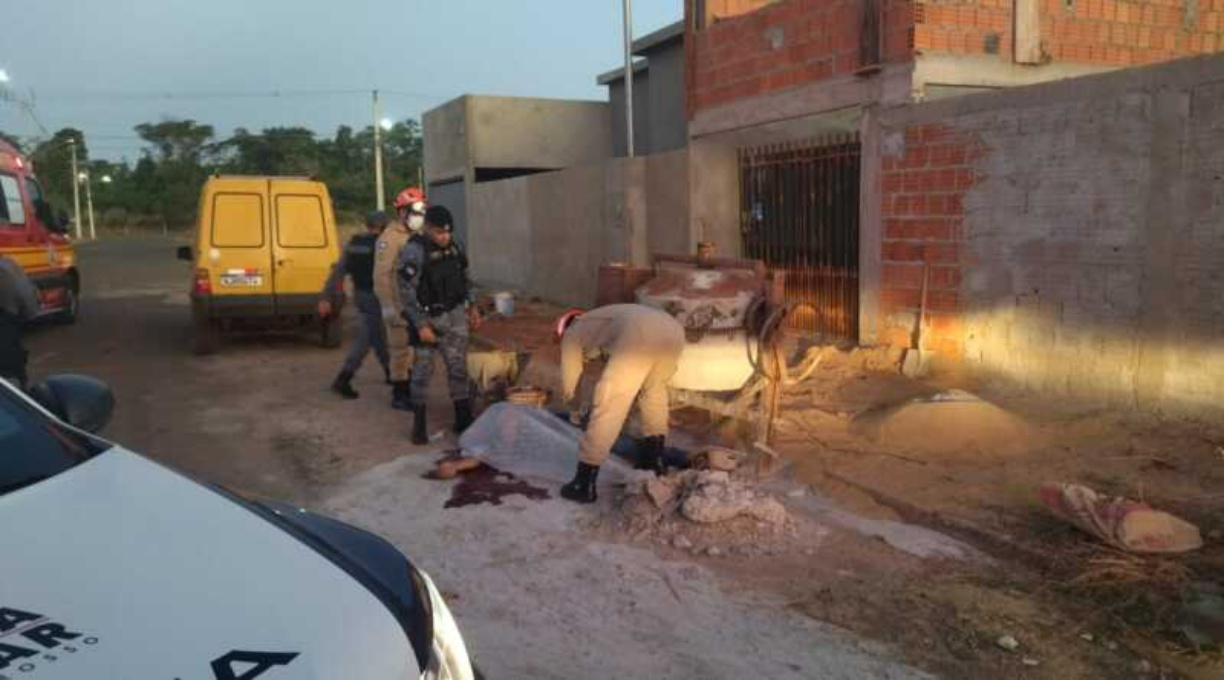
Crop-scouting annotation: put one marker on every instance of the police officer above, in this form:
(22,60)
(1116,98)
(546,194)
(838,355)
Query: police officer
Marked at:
(357,262)
(18,303)
(439,308)
(410,213)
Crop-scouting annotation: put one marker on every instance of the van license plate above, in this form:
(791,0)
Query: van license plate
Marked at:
(241,281)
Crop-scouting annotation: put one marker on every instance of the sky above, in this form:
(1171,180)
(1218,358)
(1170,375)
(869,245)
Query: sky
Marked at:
(105,66)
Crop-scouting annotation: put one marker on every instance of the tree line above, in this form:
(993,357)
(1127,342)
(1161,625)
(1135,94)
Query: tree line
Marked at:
(161,189)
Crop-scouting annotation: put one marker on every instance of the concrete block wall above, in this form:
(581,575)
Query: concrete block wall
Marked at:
(546,235)
(1105,32)
(786,45)
(1073,230)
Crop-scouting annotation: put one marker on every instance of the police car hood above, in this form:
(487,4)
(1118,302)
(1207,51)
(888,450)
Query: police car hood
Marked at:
(120,568)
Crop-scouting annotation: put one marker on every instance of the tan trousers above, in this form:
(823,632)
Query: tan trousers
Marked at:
(637,373)
(400,352)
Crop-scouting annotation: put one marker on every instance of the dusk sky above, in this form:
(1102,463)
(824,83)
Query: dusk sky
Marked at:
(105,66)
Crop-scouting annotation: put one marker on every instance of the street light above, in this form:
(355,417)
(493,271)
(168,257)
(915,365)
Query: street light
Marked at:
(386,124)
(84,179)
(4,77)
(106,179)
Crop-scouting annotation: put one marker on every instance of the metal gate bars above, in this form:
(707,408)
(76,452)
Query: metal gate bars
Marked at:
(799,213)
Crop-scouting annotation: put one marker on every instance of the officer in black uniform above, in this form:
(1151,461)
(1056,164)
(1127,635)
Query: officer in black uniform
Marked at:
(18,304)
(357,262)
(440,310)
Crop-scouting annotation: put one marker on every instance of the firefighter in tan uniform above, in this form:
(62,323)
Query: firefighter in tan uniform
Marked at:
(410,212)
(643,347)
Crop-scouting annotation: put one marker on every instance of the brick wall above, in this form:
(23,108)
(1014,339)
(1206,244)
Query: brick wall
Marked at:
(1074,232)
(925,179)
(785,45)
(1105,32)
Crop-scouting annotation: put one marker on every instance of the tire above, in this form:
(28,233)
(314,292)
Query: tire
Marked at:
(206,337)
(331,332)
(72,308)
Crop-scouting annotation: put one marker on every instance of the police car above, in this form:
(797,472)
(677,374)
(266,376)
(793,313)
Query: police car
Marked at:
(114,567)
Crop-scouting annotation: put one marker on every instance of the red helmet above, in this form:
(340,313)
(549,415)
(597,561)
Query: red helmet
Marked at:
(411,198)
(565,320)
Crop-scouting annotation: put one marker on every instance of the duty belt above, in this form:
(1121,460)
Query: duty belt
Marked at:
(439,310)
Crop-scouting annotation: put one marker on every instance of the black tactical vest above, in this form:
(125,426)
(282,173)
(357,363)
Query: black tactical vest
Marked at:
(443,278)
(359,260)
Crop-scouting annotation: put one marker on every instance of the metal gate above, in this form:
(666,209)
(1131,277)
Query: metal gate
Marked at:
(800,215)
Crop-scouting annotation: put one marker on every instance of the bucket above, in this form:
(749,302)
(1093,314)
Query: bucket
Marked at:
(503,302)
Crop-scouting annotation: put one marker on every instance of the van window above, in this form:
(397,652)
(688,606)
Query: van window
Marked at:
(238,221)
(12,210)
(42,209)
(299,221)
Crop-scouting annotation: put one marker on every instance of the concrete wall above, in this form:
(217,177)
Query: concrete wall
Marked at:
(546,235)
(668,116)
(446,141)
(537,133)
(512,132)
(1073,231)
(642,123)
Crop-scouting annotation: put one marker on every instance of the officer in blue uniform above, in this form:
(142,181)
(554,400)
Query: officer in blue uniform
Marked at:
(357,262)
(440,310)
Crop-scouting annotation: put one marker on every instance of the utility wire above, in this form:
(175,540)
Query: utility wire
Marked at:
(184,95)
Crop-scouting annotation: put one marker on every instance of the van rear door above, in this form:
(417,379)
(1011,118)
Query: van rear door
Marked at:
(238,247)
(304,249)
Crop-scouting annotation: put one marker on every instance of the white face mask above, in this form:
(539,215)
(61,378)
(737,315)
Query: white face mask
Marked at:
(415,222)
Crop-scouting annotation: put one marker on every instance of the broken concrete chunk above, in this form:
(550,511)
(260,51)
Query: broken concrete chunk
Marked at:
(661,491)
(682,543)
(769,510)
(1008,643)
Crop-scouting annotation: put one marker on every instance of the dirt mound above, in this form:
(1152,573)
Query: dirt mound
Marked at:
(949,425)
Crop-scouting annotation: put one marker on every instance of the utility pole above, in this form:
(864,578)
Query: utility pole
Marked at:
(93,234)
(378,163)
(629,75)
(76,188)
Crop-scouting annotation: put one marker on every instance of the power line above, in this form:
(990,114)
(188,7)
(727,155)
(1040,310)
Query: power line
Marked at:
(186,95)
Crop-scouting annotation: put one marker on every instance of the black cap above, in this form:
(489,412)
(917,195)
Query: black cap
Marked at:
(377,218)
(439,217)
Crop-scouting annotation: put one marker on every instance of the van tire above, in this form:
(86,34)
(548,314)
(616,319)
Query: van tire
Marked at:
(331,332)
(72,306)
(206,337)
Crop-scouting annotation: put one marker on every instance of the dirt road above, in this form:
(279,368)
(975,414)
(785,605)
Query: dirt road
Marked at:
(539,590)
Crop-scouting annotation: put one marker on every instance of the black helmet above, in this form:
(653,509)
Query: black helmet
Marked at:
(439,217)
(377,218)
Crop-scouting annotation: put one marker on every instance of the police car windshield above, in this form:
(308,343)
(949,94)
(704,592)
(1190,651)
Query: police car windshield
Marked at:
(33,447)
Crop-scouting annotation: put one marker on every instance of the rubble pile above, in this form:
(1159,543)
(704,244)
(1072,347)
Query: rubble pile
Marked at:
(711,512)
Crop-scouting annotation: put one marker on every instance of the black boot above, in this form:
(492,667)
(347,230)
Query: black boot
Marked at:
(401,396)
(420,436)
(387,375)
(463,415)
(343,385)
(582,489)
(650,455)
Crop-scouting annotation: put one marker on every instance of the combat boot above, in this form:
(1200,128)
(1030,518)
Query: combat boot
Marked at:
(387,375)
(420,436)
(650,455)
(463,415)
(401,396)
(582,489)
(343,385)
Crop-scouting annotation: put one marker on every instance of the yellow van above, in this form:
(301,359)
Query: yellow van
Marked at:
(263,249)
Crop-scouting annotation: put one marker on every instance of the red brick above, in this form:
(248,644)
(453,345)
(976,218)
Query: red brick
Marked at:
(915,157)
(902,251)
(899,299)
(945,278)
(918,205)
(893,182)
(942,253)
(964,179)
(948,155)
(901,276)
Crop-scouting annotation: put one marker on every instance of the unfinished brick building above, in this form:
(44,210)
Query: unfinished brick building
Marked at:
(1063,230)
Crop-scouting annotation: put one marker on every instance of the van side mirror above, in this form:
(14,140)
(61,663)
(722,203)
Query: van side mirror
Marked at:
(61,222)
(184,253)
(79,400)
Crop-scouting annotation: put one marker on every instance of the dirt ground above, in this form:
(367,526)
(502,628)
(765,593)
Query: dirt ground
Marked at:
(913,547)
